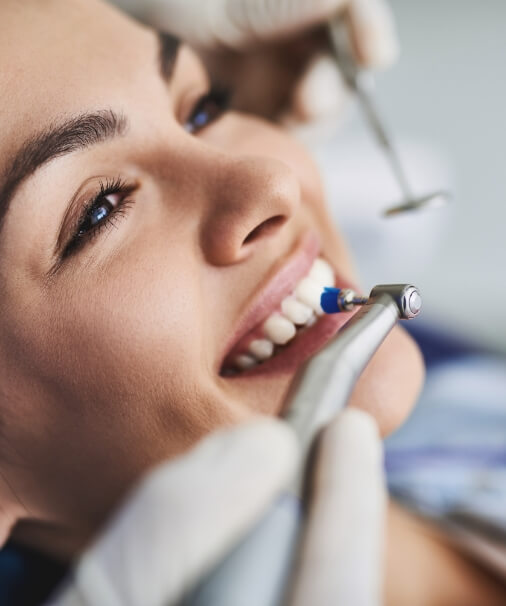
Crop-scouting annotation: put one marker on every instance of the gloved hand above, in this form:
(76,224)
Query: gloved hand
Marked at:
(189,512)
(283,51)
(343,546)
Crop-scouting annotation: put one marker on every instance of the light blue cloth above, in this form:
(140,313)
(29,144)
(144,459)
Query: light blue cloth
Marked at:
(450,456)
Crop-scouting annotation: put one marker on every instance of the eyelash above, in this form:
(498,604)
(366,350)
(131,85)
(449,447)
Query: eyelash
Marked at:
(218,97)
(109,188)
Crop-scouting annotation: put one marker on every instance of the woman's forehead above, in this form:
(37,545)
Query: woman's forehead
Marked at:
(59,58)
(33,24)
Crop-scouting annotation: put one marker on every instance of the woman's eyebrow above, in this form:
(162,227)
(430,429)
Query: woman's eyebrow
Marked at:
(77,133)
(56,141)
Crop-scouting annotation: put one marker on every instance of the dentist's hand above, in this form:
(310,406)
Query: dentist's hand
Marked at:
(186,515)
(274,53)
(183,518)
(342,552)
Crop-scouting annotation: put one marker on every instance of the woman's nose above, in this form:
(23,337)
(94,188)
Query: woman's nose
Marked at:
(250,201)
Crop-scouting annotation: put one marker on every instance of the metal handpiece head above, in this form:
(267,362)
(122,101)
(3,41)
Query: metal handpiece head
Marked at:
(406,297)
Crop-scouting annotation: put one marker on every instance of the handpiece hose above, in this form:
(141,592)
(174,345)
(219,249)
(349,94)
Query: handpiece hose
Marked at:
(258,570)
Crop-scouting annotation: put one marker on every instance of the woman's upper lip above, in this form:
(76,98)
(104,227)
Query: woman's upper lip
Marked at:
(281,282)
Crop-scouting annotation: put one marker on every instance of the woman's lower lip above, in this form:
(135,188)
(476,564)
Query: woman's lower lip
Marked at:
(288,359)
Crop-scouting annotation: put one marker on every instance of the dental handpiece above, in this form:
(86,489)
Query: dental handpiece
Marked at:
(258,570)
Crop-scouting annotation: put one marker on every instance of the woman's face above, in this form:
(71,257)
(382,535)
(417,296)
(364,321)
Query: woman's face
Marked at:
(148,238)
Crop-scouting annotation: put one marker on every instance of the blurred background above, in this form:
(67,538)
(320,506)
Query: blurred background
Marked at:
(443,103)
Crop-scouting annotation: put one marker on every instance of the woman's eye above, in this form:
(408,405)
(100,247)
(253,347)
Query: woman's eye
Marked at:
(99,212)
(207,109)
(111,202)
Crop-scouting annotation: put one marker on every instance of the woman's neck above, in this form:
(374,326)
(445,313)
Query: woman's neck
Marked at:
(423,569)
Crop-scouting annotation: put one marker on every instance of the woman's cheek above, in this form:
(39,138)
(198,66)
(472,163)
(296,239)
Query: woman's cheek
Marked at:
(390,385)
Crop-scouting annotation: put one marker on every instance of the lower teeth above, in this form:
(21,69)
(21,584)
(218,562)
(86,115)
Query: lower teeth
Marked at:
(297,312)
(245,362)
(252,359)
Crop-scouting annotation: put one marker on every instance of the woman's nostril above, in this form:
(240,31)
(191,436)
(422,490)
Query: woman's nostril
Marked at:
(265,228)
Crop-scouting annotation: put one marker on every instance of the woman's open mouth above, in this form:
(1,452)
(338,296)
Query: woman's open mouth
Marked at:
(287,325)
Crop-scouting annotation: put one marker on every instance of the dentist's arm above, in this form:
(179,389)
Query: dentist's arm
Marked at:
(189,513)
(279,44)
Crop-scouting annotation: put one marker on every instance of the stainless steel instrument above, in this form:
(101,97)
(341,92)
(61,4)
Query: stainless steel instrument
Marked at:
(257,571)
(360,83)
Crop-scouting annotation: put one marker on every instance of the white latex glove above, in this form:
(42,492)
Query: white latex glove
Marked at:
(318,90)
(342,551)
(188,513)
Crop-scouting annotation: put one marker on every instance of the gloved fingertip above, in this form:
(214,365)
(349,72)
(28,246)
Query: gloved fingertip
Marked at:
(321,92)
(354,435)
(379,51)
(358,421)
(270,435)
(265,448)
(374,33)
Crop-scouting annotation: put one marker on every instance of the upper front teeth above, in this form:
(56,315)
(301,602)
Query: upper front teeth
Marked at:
(322,273)
(297,309)
(308,291)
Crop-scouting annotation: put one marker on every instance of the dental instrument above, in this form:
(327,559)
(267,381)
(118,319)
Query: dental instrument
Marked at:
(360,83)
(258,570)
(407,297)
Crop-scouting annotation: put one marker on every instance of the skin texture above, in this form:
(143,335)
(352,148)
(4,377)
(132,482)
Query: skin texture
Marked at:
(423,569)
(108,364)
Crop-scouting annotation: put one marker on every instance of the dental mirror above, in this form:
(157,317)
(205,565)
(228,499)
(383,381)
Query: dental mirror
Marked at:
(360,83)
(438,199)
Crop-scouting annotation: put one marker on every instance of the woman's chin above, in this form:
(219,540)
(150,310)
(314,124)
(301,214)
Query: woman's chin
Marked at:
(389,387)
